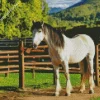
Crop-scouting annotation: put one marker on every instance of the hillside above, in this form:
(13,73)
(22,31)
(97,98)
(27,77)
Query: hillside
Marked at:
(53,10)
(87,13)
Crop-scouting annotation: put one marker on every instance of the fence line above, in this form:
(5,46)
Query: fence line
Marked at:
(18,57)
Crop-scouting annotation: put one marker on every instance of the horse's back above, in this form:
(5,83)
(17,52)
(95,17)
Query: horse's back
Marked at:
(87,40)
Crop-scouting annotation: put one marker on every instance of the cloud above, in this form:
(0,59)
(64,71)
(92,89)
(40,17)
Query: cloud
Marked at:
(61,3)
(59,6)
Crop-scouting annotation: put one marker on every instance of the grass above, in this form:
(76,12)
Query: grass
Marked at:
(41,80)
(95,98)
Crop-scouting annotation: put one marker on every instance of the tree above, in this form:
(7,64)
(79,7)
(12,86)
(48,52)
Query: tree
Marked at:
(17,16)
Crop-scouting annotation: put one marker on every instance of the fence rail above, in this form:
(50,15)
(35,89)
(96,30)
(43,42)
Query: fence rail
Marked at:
(18,57)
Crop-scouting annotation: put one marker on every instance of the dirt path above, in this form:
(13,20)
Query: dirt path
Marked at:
(48,95)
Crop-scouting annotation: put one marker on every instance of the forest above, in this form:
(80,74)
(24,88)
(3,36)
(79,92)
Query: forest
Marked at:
(87,14)
(16,16)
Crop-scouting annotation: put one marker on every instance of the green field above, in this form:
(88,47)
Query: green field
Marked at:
(41,80)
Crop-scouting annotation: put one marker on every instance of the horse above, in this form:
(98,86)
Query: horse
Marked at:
(64,51)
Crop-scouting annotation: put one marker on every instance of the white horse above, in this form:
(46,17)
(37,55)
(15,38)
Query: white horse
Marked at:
(65,51)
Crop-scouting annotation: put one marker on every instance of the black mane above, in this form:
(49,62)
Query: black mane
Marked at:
(55,35)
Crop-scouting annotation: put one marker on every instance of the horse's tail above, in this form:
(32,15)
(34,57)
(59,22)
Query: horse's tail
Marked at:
(85,65)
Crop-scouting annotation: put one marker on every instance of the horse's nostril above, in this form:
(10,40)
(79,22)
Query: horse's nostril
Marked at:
(34,46)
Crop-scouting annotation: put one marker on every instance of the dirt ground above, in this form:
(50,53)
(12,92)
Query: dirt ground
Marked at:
(45,94)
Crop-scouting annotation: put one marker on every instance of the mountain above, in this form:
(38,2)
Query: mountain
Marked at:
(55,10)
(58,9)
(78,4)
(86,13)
(59,5)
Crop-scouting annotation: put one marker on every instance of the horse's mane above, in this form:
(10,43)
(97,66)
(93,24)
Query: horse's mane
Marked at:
(55,35)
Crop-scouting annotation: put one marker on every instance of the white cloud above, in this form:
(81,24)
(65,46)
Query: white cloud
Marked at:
(61,3)
(59,6)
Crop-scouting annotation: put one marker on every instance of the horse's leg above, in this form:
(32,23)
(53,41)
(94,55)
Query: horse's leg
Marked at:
(83,76)
(58,87)
(68,83)
(91,71)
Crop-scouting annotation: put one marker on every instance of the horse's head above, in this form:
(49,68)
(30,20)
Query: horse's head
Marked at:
(38,36)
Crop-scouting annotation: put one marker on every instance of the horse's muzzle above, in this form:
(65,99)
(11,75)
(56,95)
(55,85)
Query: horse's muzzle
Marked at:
(34,46)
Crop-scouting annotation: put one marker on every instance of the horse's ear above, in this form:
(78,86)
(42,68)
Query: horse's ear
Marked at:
(33,21)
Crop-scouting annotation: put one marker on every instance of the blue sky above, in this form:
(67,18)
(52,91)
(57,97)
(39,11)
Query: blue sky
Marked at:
(61,3)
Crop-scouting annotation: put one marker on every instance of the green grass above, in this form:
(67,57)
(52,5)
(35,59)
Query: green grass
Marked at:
(41,80)
(95,98)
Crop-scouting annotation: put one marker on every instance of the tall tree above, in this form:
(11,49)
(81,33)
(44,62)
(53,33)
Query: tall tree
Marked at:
(16,16)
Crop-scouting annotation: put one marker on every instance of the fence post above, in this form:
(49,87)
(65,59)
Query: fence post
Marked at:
(97,65)
(21,64)
(33,73)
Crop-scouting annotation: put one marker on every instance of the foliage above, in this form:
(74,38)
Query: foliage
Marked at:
(41,80)
(16,16)
(86,14)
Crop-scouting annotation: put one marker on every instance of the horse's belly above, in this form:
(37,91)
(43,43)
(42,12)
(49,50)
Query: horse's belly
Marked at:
(77,57)
(74,60)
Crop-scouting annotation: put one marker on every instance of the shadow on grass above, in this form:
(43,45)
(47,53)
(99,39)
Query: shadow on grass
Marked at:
(42,86)
(41,89)
(44,89)
(8,88)
(38,86)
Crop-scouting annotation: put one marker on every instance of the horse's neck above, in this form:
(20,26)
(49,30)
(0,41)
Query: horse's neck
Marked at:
(49,42)
(53,51)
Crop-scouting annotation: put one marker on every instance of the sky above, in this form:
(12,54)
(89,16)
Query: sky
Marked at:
(61,3)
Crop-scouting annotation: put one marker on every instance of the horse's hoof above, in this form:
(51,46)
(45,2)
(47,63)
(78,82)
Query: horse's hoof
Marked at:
(53,94)
(56,94)
(67,94)
(81,91)
(91,92)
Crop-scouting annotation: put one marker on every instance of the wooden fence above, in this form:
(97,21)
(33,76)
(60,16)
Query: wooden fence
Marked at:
(9,56)
(15,57)
(98,64)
